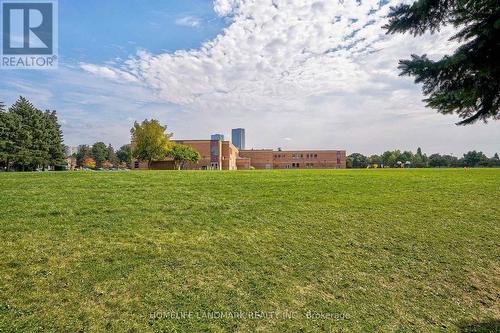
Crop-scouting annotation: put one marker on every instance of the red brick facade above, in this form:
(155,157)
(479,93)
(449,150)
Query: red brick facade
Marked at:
(223,155)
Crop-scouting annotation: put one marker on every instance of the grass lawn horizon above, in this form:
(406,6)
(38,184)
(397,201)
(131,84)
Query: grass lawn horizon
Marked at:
(251,251)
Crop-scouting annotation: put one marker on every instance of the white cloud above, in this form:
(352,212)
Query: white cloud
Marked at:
(275,51)
(109,72)
(189,21)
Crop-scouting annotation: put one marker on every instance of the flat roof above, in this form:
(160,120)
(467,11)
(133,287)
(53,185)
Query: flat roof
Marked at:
(295,151)
(206,140)
(265,149)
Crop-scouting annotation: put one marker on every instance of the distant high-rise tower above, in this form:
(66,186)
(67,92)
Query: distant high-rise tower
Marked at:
(217,137)
(238,138)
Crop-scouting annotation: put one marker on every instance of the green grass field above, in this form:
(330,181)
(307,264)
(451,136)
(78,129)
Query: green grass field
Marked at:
(276,251)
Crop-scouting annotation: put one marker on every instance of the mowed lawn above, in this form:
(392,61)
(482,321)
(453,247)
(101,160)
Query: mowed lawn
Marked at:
(265,251)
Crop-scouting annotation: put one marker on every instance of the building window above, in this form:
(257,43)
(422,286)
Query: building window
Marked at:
(136,165)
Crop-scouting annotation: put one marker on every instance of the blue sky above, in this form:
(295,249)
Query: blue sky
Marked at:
(296,74)
(97,31)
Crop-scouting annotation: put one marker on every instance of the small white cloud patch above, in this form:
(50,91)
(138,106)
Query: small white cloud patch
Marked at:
(188,21)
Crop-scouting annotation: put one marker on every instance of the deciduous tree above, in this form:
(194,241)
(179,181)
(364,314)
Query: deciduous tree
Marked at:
(89,163)
(99,153)
(475,158)
(495,160)
(182,154)
(390,158)
(112,155)
(375,159)
(82,153)
(357,160)
(124,155)
(107,164)
(150,141)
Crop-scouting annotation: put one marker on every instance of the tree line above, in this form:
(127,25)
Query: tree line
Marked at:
(397,158)
(100,155)
(30,138)
(150,143)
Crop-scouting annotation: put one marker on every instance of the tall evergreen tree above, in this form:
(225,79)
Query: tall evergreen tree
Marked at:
(29,138)
(8,138)
(4,135)
(40,145)
(55,139)
(25,122)
(112,155)
(466,82)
